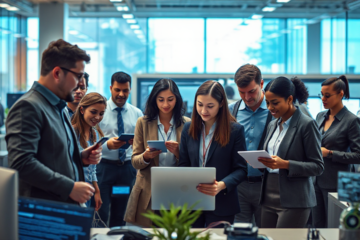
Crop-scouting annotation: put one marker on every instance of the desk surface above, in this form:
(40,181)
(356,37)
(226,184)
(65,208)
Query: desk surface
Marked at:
(275,234)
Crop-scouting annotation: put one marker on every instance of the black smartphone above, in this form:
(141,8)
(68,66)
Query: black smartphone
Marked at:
(102,141)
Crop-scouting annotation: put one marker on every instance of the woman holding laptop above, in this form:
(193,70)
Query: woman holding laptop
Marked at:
(212,139)
(164,120)
(294,144)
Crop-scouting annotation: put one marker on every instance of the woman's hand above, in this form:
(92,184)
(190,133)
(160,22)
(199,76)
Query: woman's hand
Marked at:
(98,201)
(211,189)
(173,147)
(150,154)
(274,162)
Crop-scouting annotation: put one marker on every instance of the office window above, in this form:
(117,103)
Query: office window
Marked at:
(176,45)
(33,64)
(353,46)
(296,54)
(113,46)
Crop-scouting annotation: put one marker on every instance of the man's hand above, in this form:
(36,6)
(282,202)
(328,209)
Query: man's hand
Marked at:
(131,141)
(113,143)
(211,189)
(82,192)
(91,155)
(98,201)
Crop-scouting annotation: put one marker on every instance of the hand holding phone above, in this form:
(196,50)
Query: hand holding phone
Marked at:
(101,141)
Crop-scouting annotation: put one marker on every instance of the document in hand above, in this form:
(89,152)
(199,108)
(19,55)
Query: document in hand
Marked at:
(252,157)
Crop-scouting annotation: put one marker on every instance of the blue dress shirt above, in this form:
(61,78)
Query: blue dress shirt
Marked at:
(254,125)
(109,126)
(276,139)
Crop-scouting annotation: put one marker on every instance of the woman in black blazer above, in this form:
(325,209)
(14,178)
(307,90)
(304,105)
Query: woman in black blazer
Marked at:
(340,145)
(293,141)
(212,139)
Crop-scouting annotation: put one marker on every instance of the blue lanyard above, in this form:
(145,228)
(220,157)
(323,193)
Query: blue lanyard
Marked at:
(163,135)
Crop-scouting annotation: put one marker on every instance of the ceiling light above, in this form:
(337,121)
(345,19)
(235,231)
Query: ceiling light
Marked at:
(283,1)
(138,32)
(122,8)
(140,36)
(12,8)
(134,26)
(257,16)
(73,32)
(299,26)
(268,9)
(131,21)
(128,16)
(116,0)
(4,5)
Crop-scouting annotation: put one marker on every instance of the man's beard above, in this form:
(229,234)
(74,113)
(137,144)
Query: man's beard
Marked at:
(69,97)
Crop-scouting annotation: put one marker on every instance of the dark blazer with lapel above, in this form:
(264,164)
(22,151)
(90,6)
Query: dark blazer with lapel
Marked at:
(301,147)
(38,149)
(343,138)
(230,166)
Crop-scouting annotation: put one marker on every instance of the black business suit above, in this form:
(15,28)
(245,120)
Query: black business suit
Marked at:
(230,167)
(343,138)
(38,147)
(301,147)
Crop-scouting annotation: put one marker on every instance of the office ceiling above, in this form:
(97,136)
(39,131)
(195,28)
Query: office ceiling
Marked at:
(201,8)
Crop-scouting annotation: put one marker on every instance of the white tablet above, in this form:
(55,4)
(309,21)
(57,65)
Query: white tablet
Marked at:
(177,185)
(252,157)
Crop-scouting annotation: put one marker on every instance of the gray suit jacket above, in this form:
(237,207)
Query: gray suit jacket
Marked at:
(301,147)
(343,138)
(38,147)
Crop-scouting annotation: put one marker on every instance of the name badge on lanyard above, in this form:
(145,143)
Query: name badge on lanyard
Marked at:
(205,150)
(163,135)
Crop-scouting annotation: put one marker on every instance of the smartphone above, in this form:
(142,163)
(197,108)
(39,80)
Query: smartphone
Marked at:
(102,141)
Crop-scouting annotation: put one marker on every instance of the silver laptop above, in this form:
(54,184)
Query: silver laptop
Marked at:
(177,185)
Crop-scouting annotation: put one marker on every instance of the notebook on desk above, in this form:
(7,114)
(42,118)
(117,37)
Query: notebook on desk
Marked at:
(43,219)
(177,185)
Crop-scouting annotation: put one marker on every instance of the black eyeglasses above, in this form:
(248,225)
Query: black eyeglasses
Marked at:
(326,96)
(79,76)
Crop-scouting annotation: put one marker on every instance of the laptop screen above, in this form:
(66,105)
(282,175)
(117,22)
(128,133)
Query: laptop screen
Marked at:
(42,219)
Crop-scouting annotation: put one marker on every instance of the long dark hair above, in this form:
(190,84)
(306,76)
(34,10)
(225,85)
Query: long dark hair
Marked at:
(78,121)
(223,118)
(151,108)
(340,83)
(285,88)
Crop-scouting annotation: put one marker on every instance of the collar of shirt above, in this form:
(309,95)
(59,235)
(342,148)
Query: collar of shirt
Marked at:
(212,129)
(70,111)
(171,121)
(243,106)
(49,95)
(338,116)
(286,124)
(113,106)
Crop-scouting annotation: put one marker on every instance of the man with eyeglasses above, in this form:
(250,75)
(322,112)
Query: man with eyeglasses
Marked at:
(79,92)
(40,139)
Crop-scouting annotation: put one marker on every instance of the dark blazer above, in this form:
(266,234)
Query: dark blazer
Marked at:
(38,148)
(343,138)
(230,166)
(301,147)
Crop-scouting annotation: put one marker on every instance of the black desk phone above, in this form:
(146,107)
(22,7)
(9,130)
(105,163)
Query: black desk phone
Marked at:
(130,233)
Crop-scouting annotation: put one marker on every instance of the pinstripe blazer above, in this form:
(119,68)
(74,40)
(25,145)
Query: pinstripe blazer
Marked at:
(343,138)
(301,147)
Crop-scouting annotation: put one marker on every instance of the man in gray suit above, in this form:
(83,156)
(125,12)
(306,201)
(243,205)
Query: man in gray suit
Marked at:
(41,142)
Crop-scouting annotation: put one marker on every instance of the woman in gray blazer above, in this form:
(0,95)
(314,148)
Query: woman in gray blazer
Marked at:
(340,144)
(293,141)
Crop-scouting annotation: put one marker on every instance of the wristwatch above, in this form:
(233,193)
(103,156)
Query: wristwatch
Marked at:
(330,154)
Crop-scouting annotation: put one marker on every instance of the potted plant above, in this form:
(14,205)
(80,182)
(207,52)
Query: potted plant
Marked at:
(176,223)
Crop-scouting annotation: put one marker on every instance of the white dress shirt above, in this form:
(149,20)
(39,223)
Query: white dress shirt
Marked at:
(109,126)
(207,143)
(167,159)
(276,139)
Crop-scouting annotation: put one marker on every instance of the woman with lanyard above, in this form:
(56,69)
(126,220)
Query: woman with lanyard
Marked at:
(212,139)
(85,121)
(163,120)
(340,143)
(293,142)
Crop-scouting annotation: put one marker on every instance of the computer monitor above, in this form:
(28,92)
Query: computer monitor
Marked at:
(43,219)
(8,203)
(12,98)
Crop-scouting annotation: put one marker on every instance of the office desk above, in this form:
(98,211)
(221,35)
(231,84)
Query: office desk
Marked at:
(335,207)
(275,234)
